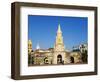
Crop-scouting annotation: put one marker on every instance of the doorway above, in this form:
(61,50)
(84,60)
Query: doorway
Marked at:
(72,59)
(59,59)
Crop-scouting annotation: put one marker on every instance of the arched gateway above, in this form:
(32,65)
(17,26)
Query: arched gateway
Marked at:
(59,59)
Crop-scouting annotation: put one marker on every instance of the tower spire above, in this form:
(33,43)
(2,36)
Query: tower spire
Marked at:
(59,29)
(38,47)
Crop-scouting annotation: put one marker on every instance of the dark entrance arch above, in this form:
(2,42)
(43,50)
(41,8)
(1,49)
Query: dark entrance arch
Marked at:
(46,60)
(72,59)
(59,59)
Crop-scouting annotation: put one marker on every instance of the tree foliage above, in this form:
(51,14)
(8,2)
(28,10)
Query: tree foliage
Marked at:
(84,57)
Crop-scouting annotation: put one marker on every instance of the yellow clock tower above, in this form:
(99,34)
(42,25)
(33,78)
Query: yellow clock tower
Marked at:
(59,45)
(59,56)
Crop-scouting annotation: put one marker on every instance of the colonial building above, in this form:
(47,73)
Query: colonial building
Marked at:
(56,55)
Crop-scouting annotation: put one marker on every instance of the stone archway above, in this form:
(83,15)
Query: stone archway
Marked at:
(59,59)
(46,61)
(72,59)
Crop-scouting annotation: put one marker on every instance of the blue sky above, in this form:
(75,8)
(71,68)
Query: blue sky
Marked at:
(43,29)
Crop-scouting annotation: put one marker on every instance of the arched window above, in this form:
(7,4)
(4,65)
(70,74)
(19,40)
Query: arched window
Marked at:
(59,59)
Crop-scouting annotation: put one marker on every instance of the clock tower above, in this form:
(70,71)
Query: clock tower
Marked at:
(59,45)
(59,56)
